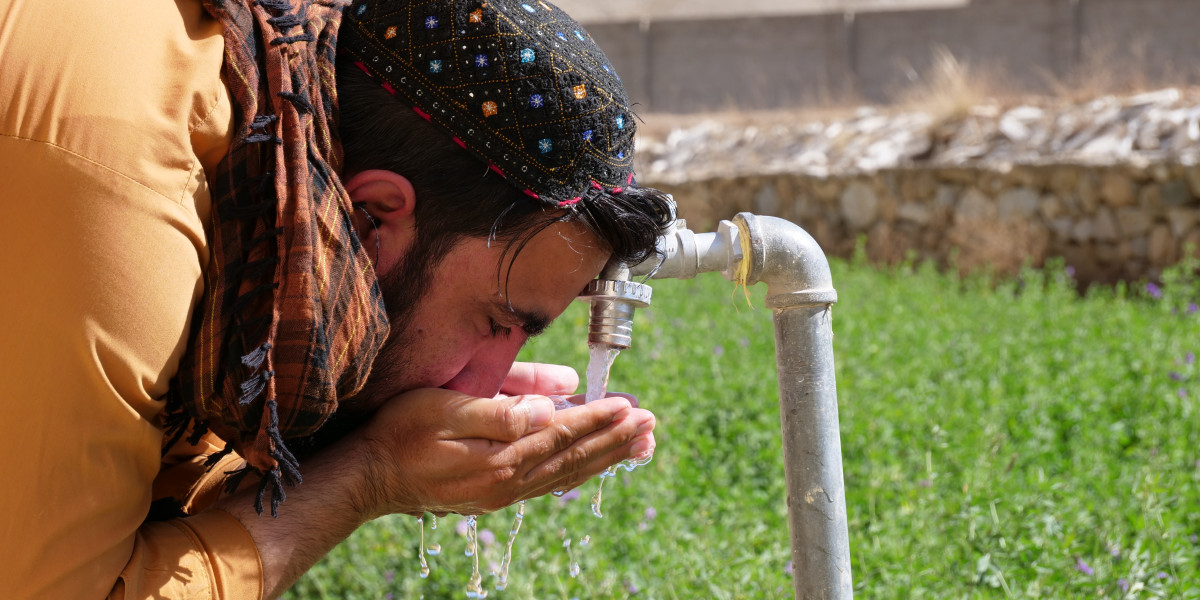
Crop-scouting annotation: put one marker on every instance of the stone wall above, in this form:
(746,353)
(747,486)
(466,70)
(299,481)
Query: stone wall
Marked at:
(1112,186)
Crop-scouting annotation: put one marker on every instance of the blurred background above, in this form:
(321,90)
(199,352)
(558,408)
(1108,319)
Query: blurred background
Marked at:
(705,55)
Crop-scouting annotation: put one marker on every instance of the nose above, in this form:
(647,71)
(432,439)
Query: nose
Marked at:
(484,374)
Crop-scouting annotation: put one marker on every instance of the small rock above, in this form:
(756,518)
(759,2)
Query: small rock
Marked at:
(1161,251)
(974,205)
(1088,192)
(1192,173)
(1083,231)
(766,202)
(1117,190)
(1062,227)
(1133,221)
(1106,226)
(859,205)
(913,212)
(1175,193)
(1050,207)
(1181,220)
(1017,203)
(1064,180)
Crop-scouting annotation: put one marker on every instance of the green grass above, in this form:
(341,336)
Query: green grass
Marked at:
(1001,440)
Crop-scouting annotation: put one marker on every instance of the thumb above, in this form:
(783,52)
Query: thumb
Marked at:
(505,419)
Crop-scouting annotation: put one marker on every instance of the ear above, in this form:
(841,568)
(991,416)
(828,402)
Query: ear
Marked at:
(383,215)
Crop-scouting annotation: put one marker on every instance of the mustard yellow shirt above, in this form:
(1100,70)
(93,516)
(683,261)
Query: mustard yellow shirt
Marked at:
(111,114)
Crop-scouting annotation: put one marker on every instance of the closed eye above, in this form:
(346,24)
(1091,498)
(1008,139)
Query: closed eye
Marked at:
(499,330)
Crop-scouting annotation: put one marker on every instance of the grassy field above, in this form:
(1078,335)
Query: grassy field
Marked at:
(1001,440)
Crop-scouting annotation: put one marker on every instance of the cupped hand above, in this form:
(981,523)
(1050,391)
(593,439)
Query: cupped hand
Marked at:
(442,451)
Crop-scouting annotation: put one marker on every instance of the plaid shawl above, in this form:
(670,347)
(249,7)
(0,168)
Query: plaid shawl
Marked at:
(292,316)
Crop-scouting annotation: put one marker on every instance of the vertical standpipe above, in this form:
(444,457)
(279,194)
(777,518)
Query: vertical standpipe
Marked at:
(753,249)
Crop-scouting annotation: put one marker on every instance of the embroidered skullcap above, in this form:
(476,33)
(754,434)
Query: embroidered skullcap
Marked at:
(519,84)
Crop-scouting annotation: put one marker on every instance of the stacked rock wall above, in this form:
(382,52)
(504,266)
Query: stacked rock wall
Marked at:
(1111,186)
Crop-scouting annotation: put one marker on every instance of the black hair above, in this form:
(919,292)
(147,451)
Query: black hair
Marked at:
(460,196)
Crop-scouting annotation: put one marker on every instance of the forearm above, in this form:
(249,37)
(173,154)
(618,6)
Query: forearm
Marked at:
(318,514)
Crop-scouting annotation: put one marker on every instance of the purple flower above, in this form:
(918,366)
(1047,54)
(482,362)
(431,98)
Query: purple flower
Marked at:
(569,496)
(1193,308)
(1182,393)
(789,568)
(650,513)
(1070,271)
(1175,376)
(631,588)
(718,350)
(487,537)
(390,576)
(1163,575)
(462,527)
(1083,567)
(1154,291)
(1194,538)
(1190,358)
(1124,585)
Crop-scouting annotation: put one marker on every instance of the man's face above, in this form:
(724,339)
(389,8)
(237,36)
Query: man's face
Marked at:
(478,308)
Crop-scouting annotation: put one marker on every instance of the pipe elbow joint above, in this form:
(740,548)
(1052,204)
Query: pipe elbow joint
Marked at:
(784,256)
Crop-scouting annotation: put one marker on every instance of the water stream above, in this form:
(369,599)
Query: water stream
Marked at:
(506,562)
(421,548)
(475,584)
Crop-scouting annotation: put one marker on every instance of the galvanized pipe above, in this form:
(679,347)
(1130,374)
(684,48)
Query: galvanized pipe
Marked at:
(800,292)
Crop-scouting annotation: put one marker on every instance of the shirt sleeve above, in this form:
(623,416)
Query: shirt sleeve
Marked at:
(209,555)
(109,121)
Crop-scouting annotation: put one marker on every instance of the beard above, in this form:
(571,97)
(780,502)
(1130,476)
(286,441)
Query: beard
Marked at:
(402,288)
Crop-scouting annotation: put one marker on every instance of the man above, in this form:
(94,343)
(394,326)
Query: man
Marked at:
(190,300)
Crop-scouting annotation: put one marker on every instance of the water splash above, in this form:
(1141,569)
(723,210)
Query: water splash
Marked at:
(601,357)
(474,586)
(421,549)
(506,562)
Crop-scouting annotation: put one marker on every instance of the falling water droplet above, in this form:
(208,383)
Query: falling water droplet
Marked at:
(587,539)
(421,550)
(433,522)
(506,562)
(434,549)
(472,535)
(573,569)
(474,587)
(599,497)
(559,493)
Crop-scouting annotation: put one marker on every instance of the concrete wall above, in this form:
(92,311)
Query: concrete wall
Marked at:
(773,62)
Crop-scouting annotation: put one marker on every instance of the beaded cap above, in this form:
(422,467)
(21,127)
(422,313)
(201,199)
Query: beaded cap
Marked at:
(519,84)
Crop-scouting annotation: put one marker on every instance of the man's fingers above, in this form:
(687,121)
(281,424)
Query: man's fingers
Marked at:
(506,419)
(578,456)
(540,379)
(640,447)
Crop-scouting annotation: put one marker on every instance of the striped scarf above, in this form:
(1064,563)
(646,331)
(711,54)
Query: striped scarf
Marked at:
(292,317)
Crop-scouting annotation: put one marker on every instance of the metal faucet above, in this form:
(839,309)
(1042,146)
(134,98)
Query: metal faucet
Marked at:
(747,250)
